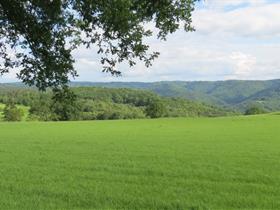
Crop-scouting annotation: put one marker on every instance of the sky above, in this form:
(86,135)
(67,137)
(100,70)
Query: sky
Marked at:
(234,39)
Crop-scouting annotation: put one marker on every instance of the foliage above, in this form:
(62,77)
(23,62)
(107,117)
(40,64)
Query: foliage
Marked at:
(41,109)
(64,104)
(233,94)
(42,34)
(12,113)
(178,107)
(254,109)
(102,110)
(155,109)
(90,103)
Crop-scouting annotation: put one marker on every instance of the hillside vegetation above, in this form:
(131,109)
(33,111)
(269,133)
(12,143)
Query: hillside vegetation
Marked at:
(233,93)
(201,163)
(94,103)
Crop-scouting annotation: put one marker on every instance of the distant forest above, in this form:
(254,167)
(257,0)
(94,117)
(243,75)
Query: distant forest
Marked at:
(234,94)
(98,103)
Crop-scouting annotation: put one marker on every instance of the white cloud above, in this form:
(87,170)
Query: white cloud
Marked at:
(243,65)
(221,4)
(229,44)
(251,21)
(10,76)
(235,39)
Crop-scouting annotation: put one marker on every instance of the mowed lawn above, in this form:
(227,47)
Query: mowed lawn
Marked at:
(218,163)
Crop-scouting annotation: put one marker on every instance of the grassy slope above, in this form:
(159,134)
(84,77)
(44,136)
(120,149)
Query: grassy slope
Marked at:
(220,163)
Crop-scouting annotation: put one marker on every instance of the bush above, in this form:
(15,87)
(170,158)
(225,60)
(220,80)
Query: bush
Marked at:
(155,109)
(253,110)
(12,113)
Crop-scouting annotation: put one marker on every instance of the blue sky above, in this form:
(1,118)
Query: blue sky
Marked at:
(234,39)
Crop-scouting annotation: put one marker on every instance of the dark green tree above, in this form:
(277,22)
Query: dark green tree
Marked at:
(254,109)
(156,109)
(64,105)
(40,108)
(38,36)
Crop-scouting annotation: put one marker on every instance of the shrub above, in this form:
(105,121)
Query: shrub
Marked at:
(155,109)
(12,113)
(253,110)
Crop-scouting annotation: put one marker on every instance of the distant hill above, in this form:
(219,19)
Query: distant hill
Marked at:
(236,94)
(233,94)
(99,103)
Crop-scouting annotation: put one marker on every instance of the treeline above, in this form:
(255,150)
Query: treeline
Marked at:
(92,103)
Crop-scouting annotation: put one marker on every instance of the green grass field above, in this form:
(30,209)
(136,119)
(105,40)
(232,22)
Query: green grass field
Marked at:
(218,163)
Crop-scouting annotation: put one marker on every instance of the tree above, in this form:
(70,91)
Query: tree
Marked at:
(155,109)
(12,113)
(64,105)
(40,108)
(38,36)
(254,109)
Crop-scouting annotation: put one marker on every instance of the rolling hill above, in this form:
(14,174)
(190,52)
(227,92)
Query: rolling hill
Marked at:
(97,103)
(233,94)
(238,94)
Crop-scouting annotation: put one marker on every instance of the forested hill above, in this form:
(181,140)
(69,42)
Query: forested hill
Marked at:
(232,93)
(97,103)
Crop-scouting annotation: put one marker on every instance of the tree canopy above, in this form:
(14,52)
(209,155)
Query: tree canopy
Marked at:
(38,36)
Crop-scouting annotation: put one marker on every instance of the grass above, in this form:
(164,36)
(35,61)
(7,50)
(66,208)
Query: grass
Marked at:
(218,163)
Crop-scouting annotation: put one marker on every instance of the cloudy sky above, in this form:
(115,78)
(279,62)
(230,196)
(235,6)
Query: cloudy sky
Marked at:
(234,39)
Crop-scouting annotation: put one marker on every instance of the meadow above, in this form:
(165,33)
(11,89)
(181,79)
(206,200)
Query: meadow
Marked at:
(182,163)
